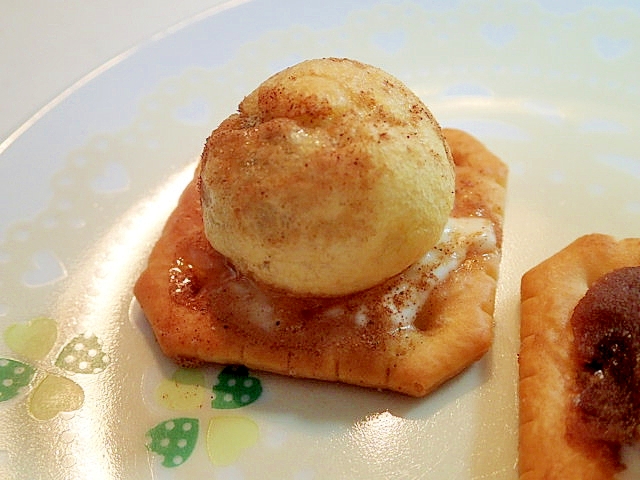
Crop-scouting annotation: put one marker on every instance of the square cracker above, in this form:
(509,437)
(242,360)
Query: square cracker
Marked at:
(549,293)
(196,320)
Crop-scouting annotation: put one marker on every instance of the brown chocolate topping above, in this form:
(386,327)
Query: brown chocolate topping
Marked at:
(606,328)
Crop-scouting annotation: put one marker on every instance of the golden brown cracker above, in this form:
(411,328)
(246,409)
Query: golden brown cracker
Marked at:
(550,292)
(194,321)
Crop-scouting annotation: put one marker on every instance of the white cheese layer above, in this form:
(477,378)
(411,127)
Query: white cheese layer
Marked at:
(414,285)
(398,301)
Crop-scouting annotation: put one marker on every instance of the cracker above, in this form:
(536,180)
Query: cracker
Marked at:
(550,292)
(198,318)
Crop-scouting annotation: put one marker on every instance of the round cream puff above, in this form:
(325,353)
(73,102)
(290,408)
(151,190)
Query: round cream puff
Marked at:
(332,177)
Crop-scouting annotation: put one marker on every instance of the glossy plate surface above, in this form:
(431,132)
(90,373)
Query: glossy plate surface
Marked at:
(551,88)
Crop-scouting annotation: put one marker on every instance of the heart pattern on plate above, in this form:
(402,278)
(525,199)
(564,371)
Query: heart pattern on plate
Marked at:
(83,354)
(32,339)
(227,437)
(184,391)
(174,440)
(14,376)
(235,388)
(53,395)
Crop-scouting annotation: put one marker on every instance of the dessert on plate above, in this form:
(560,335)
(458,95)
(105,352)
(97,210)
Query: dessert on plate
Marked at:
(580,345)
(332,231)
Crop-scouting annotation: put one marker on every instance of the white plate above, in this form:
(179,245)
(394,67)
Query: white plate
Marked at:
(552,89)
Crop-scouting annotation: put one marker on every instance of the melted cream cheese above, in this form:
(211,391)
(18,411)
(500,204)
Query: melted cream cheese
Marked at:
(460,235)
(403,296)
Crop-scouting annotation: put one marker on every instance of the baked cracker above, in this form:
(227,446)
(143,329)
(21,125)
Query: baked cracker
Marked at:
(194,322)
(549,293)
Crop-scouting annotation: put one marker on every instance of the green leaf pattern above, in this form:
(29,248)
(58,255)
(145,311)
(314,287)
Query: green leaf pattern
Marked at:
(13,376)
(83,354)
(174,440)
(235,388)
(34,340)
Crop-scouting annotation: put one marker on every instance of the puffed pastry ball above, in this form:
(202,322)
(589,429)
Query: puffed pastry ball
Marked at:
(331,177)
